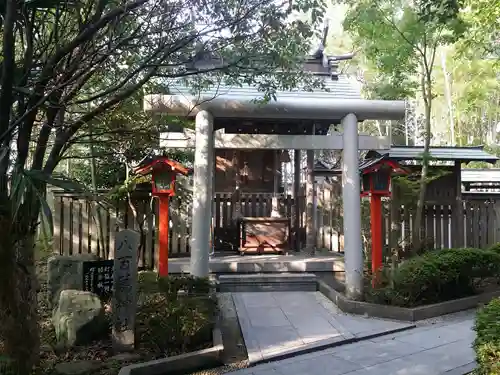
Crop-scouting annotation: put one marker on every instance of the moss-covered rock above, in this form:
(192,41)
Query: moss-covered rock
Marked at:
(79,318)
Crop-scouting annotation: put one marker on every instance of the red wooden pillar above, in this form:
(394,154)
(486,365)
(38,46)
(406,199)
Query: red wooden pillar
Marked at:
(163,235)
(376,229)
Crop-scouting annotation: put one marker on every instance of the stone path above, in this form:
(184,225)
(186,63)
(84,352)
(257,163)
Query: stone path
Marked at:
(278,324)
(437,347)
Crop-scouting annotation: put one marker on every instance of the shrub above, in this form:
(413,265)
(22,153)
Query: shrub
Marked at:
(187,285)
(487,343)
(438,276)
(495,248)
(177,316)
(5,365)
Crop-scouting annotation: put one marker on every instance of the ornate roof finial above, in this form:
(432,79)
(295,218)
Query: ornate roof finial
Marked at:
(320,51)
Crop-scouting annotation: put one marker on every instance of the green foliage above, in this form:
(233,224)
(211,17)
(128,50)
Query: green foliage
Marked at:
(178,314)
(439,11)
(187,285)
(120,138)
(398,38)
(5,366)
(483,34)
(495,248)
(438,276)
(385,47)
(487,342)
(408,186)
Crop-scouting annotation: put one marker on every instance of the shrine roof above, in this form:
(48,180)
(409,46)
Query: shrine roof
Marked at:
(339,96)
(343,87)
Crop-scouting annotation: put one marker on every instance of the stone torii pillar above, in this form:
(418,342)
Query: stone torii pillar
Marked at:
(353,246)
(202,194)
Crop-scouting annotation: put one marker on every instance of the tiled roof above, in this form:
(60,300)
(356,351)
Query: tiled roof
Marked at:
(344,88)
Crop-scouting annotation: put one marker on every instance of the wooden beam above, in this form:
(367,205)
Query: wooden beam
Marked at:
(274,141)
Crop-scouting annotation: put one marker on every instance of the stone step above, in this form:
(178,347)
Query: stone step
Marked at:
(267,282)
(263,264)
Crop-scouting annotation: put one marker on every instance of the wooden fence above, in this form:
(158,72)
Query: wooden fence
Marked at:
(481,226)
(76,230)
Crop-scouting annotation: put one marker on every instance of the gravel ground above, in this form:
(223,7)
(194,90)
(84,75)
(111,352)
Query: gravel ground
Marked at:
(223,369)
(450,318)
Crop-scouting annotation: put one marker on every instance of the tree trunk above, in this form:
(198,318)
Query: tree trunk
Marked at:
(103,250)
(417,227)
(395,207)
(19,333)
(447,94)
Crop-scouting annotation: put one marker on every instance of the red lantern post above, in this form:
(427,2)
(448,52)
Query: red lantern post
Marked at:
(376,229)
(376,183)
(164,172)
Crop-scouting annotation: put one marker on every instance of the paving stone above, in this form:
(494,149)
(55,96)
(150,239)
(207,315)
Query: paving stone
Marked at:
(428,339)
(267,317)
(360,325)
(370,353)
(265,299)
(318,366)
(446,357)
(271,339)
(275,324)
(431,349)
(295,300)
(317,329)
(397,366)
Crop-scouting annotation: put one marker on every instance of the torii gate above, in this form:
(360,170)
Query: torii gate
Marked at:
(206,107)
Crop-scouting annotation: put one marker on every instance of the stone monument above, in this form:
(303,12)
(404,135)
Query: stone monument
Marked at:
(124,301)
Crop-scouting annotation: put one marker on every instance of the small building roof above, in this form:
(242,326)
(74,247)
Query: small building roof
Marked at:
(149,164)
(485,178)
(481,175)
(322,169)
(464,154)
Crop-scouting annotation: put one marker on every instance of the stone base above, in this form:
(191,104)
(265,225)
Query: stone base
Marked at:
(404,313)
(183,363)
(263,264)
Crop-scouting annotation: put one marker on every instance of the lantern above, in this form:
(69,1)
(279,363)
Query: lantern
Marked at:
(163,181)
(377,181)
(164,172)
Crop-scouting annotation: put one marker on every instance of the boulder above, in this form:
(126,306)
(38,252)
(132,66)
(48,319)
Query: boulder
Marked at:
(65,272)
(79,319)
